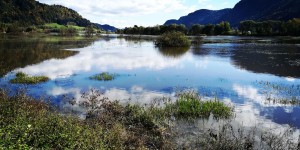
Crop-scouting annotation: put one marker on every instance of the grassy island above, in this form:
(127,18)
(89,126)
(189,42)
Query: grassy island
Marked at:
(22,78)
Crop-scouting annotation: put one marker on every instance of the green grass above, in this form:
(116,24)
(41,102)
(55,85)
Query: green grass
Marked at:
(105,76)
(190,105)
(58,26)
(22,78)
(76,27)
(54,25)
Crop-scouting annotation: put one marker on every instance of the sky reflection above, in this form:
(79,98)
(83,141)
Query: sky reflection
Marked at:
(226,71)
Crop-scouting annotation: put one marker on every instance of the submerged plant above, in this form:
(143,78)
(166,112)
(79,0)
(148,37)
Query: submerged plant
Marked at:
(22,78)
(105,76)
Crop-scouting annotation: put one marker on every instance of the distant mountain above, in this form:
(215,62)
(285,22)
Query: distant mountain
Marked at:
(202,16)
(106,27)
(257,10)
(31,12)
(260,10)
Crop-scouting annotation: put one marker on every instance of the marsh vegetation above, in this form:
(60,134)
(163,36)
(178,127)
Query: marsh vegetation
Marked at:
(31,123)
(22,78)
(173,39)
(104,76)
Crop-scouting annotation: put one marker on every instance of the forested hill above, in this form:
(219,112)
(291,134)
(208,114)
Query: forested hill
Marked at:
(31,12)
(257,10)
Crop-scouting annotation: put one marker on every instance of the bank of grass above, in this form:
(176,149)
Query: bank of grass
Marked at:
(27,123)
(173,39)
(104,76)
(58,26)
(22,78)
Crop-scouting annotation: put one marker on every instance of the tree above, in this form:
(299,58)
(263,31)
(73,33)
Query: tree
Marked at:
(195,29)
(89,31)
(209,29)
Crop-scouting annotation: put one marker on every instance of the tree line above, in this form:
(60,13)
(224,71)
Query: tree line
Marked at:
(291,27)
(248,27)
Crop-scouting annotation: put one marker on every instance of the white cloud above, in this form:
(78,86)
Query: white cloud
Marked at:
(136,94)
(97,10)
(103,55)
(290,79)
(252,94)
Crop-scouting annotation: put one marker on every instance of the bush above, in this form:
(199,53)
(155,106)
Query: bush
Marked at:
(89,31)
(14,29)
(69,31)
(29,124)
(173,39)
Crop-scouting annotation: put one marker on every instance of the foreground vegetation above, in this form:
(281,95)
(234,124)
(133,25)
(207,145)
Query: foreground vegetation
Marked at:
(27,123)
(22,78)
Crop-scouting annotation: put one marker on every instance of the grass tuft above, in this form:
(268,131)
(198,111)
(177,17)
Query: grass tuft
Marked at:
(22,78)
(190,105)
(105,76)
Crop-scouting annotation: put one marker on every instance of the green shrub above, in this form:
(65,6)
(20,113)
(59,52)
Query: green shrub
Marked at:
(173,39)
(69,31)
(89,31)
(29,124)
(22,78)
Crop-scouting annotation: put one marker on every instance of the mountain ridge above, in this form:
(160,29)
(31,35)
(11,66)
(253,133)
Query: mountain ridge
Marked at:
(257,10)
(31,12)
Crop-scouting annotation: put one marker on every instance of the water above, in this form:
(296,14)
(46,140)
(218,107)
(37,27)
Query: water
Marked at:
(246,72)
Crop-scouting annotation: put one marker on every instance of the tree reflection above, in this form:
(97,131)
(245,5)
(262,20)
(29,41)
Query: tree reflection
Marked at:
(21,52)
(277,59)
(173,52)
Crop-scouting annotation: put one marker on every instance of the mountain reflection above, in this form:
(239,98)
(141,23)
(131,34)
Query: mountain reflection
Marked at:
(24,51)
(277,59)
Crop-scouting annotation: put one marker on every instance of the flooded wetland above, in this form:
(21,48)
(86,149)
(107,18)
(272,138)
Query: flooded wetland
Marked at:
(258,76)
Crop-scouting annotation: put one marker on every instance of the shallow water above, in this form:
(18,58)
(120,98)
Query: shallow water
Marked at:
(243,71)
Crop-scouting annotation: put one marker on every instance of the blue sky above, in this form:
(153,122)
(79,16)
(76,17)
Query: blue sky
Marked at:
(122,13)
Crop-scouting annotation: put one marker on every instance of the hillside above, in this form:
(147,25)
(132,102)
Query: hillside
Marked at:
(204,16)
(31,12)
(257,10)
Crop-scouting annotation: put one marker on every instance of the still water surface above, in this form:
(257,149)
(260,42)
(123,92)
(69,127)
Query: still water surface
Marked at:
(245,72)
